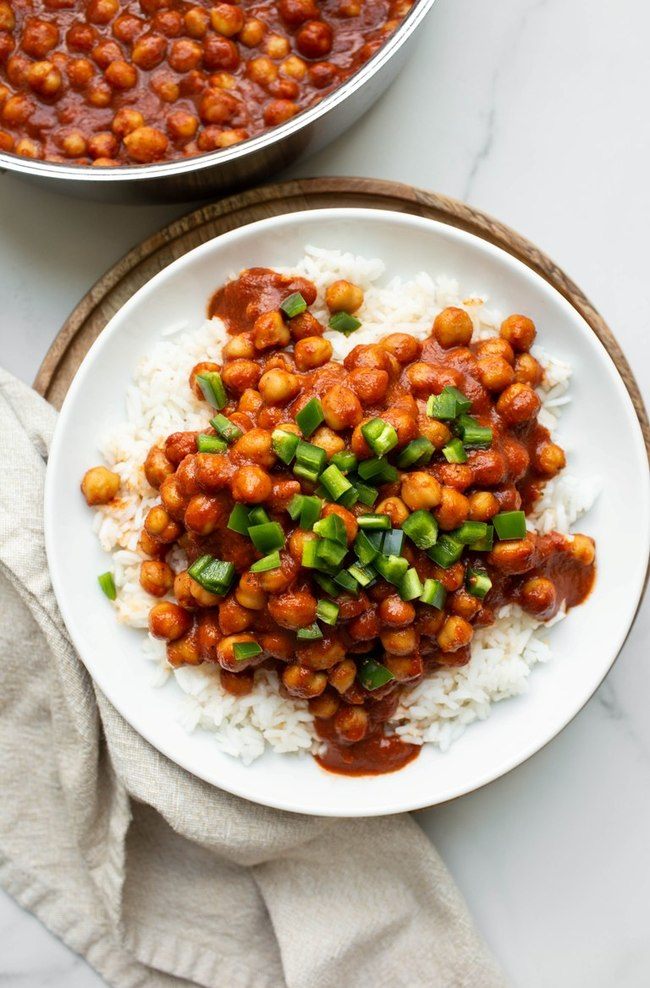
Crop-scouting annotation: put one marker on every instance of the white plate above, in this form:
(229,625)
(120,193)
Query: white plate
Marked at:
(599,431)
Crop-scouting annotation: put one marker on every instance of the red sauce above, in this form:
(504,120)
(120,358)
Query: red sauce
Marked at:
(375,755)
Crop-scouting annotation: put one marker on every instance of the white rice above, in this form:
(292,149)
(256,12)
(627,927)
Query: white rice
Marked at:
(159,402)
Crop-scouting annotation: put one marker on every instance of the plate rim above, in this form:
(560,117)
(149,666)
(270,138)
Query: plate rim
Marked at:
(510,763)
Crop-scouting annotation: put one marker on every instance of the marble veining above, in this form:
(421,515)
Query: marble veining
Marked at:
(536,112)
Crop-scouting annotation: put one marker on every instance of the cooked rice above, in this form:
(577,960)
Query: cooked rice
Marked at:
(436,710)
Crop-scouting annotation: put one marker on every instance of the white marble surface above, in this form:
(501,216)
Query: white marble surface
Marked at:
(538,114)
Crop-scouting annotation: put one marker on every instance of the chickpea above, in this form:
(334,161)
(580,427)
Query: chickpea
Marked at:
(430,623)
(249,593)
(270,330)
(279,110)
(368,355)
(149,51)
(452,510)
(514,557)
(156,577)
(276,46)
(436,432)
(297,541)
(17,110)
(328,440)
(519,331)
(314,39)
(148,546)
(341,408)
(179,445)
(404,668)
(168,22)
(6,141)
(312,352)
(100,485)
(293,610)
(39,37)
(240,375)
(296,12)
(348,519)
(343,296)
(518,404)
(528,370)
(201,596)
(184,651)
(101,11)
(452,327)
(293,67)
(127,27)
(495,373)
(279,644)
(160,525)
(517,457)
(302,682)
(7,17)
(400,641)
(343,675)
(251,484)
(351,723)
(365,627)
(277,580)
(182,126)
(420,490)
(396,510)
(240,346)
(183,584)
(369,384)
(45,79)
(169,621)
(538,596)
(146,144)
(218,107)
(583,549)
(220,54)
(237,683)
(226,652)
(278,387)
(197,21)
(464,605)
(227,138)
(203,514)
(549,459)
(185,55)
(233,617)
(495,346)
(321,654)
(208,636)
(73,144)
(425,379)
(405,348)
(488,466)
(126,120)
(121,75)
(227,19)
(105,52)
(103,145)
(455,633)
(324,706)
(28,148)
(214,471)
(252,32)
(255,445)
(395,612)
(482,506)
(79,71)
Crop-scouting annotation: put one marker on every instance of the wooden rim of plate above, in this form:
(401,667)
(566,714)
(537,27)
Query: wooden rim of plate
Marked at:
(107,296)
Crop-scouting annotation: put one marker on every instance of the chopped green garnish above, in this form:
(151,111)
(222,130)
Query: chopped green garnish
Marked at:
(327,610)
(310,511)
(473,434)
(284,445)
(433,594)
(266,563)
(380,436)
(239,521)
(378,468)
(343,322)
(374,522)
(411,585)
(345,461)
(310,461)
(510,525)
(334,482)
(446,551)
(329,552)
(362,574)
(454,452)
(267,537)
(245,650)
(310,633)
(212,388)
(258,516)
(210,444)
(309,554)
(485,544)
(470,532)
(364,549)
(349,497)
(107,583)
(295,506)
(365,494)
(417,454)
(448,404)
(347,582)
(477,582)
(293,305)
(214,575)
(372,675)
(226,429)
(327,584)
(393,542)
(391,568)
(332,527)
(422,529)
(310,416)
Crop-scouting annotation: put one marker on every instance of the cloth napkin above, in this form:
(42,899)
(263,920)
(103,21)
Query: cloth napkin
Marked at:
(155,877)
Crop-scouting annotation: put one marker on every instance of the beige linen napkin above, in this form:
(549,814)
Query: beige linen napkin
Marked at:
(155,877)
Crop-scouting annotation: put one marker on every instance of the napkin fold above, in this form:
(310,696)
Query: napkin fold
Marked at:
(154,876)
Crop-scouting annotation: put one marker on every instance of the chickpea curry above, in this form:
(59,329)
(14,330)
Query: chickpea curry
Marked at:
(350,525)
(106,83)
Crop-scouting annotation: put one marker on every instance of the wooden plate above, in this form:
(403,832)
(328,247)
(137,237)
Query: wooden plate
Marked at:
(113,289)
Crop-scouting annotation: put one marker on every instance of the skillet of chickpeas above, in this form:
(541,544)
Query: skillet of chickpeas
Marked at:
(350,525)
(106,83)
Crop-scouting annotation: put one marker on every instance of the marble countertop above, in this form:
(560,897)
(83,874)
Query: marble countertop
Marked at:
(537,114)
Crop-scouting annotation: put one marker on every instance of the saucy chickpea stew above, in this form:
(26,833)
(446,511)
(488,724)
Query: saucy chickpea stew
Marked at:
(104,83)
(337,522)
